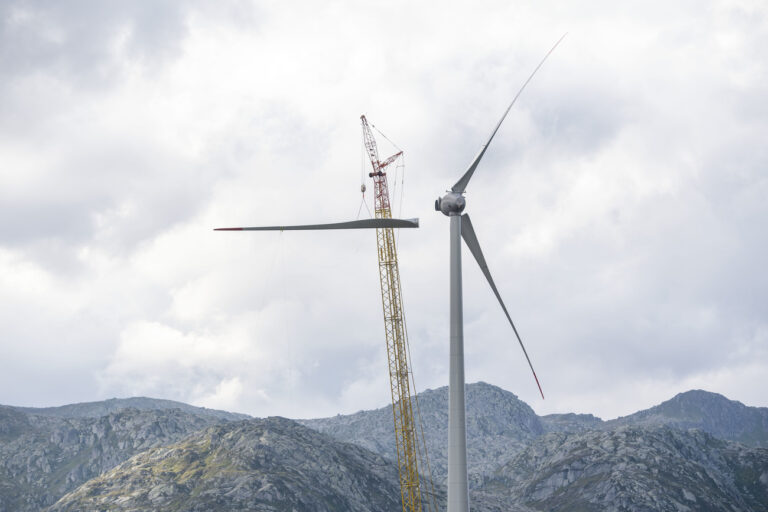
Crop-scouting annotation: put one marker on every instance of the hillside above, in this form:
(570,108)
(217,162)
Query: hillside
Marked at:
(498,425)
(635,468)
(679,455)
(710,412)
(271,464)
(104,407)
(570,422)
(44,456)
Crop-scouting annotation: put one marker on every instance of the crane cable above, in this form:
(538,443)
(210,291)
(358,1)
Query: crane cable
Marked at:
(398,167)
(396,147)
(362,181)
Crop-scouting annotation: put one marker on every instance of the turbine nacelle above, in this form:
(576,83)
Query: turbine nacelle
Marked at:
(452,203)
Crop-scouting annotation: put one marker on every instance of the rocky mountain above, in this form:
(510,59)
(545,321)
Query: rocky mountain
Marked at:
(570,422)
(113,456)
(635,468)
(271,464)
(704,410)
(710,412)
(98,409)
(44,456)
(569,454)
(498,426)
(257,465)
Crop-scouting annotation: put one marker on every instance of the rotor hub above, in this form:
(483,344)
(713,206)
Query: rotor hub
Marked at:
(452,203)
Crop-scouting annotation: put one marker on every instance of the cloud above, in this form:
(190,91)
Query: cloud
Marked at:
(620,207)
(86,42)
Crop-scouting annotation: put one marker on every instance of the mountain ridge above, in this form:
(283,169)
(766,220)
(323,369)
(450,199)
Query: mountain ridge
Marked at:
(499,424)
(517,460)
(619,469)
(102,407)
(43,457)
(244,465)
(711,412)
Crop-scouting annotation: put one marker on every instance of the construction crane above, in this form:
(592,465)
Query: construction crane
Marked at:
(411,449)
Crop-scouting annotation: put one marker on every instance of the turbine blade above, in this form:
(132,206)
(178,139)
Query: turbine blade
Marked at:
(468,234)
(461,185)
(354,224)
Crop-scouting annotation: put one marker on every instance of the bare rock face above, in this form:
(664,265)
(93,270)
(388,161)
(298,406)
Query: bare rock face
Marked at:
(12,424)
(257,465)
(105,407)
(271,464)
(44,456)
(498,426)
(676,456)
(144,454)
(635,468)
(710,412)
(571,422)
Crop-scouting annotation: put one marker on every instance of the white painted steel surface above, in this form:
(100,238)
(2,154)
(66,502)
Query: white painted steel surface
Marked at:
(458,499)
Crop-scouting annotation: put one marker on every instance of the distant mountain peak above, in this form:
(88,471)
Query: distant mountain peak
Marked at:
(633,467)
(558,461)
(257,464)
(707,411)
(142,403)
(694,399)
(702,395)
(498,423)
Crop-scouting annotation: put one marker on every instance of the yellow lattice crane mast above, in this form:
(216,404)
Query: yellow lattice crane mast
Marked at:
(409,442)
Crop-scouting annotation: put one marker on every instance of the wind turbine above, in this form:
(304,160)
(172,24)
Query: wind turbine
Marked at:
(452,204)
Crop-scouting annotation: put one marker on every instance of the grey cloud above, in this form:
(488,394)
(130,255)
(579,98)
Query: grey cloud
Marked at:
(76,40)
(94,184)
(654,274)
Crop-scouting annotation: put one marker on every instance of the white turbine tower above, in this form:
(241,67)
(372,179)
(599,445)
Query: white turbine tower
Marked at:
(452,204)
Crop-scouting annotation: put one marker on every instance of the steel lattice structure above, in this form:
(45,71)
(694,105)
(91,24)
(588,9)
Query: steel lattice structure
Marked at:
(406,433)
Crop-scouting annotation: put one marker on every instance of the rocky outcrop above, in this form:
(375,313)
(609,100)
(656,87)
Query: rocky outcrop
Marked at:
(638,469)
(710,412)
(570,422)
(105,407)
(271,464)
(498,426)
(43,457)
(650,460)
(104,456)
(257,465)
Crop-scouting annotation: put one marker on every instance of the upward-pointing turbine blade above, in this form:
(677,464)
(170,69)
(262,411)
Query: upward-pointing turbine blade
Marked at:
(461,185)
(468,234)
(354,224)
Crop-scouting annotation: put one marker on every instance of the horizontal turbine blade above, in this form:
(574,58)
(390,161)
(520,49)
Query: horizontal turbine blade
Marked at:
(461,185)
(354,224)
(468,233)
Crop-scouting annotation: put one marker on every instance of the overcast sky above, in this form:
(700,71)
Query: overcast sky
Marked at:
(622,207)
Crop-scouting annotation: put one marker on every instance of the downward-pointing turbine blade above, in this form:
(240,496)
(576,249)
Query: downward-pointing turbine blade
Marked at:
(461,185)
(468,234)
(354,224)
